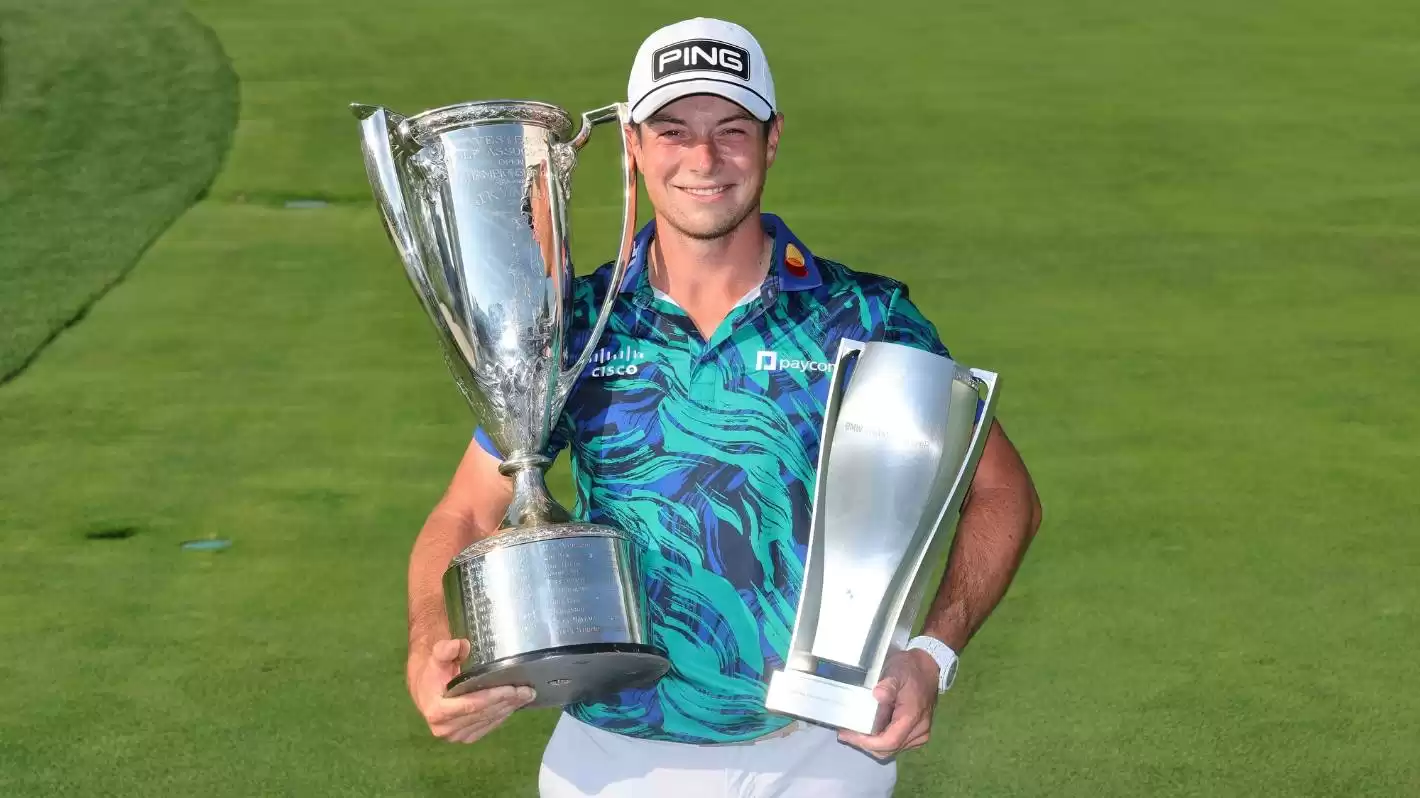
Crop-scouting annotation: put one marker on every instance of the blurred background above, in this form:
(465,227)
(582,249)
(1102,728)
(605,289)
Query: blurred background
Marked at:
(1186,234)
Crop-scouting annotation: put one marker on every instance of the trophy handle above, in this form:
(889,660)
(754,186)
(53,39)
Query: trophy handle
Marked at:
(987,412)
(618,112)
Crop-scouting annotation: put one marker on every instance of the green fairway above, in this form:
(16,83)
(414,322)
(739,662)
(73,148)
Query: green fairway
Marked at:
(113,117)
(1185,234)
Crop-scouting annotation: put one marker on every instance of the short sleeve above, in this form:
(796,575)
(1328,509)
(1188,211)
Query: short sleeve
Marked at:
(556,441)
(905,324)
(486,443)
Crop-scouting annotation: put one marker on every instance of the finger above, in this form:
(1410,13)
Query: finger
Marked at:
(916,742)
(481,702)
(453,714)
(889,740)
(459,721)
(885,692)
(472,731)
(872,743)
(472,728)
(470,735)
(904,722)
(875,752)
(472,704)
(850,738)
(475,731)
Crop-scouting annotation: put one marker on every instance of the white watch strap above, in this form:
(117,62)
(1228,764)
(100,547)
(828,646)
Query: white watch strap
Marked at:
(944,656)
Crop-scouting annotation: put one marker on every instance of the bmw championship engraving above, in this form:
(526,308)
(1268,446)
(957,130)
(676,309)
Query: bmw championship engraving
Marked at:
(474,198)
(903,432)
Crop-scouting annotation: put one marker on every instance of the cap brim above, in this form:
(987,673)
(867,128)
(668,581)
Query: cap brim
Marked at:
(668,93)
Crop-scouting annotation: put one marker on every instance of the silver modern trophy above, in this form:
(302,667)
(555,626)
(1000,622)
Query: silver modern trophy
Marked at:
(903,432)
(474,197)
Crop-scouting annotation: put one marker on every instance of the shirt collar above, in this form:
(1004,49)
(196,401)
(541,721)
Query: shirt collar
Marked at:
(791,262)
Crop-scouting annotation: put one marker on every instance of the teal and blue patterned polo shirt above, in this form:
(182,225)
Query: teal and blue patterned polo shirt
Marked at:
(705,451)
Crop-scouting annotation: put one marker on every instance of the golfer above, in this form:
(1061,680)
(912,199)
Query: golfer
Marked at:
(698,434)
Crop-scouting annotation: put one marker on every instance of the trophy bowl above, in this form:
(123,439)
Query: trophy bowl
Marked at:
(474,198)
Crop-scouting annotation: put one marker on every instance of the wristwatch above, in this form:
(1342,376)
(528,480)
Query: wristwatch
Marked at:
(945,658)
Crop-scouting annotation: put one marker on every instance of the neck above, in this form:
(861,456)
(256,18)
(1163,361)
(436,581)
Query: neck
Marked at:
(693,270)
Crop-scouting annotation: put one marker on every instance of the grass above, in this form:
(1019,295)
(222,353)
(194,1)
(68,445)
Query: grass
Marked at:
(114,118)
(1185,235)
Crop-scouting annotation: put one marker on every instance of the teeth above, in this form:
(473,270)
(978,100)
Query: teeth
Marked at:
(705,192)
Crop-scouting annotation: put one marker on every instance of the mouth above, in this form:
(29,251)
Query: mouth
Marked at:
(704,193)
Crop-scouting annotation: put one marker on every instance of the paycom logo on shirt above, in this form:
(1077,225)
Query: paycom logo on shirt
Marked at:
(766,360)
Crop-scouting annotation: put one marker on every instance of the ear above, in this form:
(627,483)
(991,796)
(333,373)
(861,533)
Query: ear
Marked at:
(632,134)
(776,128)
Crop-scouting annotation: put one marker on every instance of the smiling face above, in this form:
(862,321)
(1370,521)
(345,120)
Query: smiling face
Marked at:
(704,161)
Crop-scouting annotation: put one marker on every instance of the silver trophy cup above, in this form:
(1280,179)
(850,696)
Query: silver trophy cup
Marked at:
(901,441)
(474,198)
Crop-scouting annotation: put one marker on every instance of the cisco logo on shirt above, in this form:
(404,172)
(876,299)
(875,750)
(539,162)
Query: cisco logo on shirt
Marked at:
(766,360)
(620,363)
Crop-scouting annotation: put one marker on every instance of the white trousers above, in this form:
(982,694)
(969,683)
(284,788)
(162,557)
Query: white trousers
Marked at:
(809,762)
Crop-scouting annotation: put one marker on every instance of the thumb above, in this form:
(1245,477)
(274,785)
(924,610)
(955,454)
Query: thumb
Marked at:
(449,652)
(886,690)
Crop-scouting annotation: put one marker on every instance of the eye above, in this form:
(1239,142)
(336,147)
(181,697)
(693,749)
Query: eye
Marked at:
(733,132)
(671,134)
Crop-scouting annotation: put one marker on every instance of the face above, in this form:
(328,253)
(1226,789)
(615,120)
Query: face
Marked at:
(704,161)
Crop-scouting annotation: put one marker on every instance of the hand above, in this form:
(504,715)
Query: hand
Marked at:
(908,690)
(465,718)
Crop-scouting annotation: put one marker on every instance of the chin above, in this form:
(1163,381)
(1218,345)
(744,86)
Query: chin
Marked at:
(707,226)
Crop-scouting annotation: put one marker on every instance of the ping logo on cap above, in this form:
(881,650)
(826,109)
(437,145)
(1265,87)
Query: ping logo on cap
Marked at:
(700,55)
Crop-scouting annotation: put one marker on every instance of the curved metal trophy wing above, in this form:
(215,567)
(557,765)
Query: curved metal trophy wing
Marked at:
(617,112)
(377,128)
(379,134)
(806,620)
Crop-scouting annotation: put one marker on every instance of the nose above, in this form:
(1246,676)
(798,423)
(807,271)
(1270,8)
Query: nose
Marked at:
(704,156)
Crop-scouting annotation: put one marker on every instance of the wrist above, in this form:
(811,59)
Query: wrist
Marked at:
(942,656)
(421,648)
(427,629)
(924,662)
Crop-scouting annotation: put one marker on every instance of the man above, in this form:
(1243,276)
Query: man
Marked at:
(698,434)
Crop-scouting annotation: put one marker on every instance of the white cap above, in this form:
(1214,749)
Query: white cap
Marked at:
(700,56)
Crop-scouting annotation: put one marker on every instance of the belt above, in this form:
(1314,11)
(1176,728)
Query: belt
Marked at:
(784,732)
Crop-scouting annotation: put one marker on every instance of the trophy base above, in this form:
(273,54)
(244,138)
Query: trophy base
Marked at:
(568,674)
(558,608)
(825,702)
